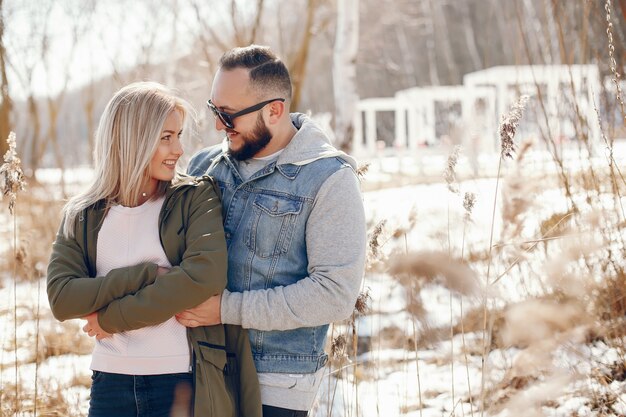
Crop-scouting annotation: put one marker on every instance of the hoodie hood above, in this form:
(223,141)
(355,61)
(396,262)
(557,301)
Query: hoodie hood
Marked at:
(309,144)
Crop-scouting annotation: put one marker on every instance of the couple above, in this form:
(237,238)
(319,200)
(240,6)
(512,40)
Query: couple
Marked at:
(210,294)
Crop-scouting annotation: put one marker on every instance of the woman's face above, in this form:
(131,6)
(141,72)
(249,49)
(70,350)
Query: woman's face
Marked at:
(163,163)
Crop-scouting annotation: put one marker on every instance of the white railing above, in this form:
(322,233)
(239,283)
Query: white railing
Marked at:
(478,104)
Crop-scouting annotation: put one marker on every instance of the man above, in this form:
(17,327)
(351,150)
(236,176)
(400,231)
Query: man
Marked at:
(294,224)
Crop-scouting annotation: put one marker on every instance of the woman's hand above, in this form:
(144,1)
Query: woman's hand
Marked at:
(205,314)
(92,328)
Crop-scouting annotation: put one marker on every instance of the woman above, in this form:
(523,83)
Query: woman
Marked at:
(138,246)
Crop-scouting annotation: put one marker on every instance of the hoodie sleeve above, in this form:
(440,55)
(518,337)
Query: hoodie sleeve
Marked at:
(336,243)
(201,273)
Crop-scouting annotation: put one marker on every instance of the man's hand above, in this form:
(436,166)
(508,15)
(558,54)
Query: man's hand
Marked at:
(92,328)
(205,314)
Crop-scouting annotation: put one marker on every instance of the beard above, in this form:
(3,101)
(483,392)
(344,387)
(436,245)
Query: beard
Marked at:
(253,142)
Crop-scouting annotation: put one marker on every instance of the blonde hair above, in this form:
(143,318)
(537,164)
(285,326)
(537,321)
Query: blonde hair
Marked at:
(126,139)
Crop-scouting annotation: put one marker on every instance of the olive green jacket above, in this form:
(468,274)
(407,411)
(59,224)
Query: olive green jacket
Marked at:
(192,236)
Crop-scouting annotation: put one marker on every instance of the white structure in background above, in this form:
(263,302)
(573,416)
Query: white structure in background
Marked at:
(429,120)
(557,93)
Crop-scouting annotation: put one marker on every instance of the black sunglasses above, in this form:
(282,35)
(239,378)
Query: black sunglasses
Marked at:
(227,119)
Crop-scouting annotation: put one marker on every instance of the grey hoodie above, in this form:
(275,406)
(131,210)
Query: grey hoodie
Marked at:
(336,245)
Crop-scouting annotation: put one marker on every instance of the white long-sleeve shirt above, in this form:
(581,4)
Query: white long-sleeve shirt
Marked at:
(130,235)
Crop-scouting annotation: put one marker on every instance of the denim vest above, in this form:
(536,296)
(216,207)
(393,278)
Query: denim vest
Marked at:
(265,220)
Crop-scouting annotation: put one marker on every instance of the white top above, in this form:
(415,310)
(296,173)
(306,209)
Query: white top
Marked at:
(129,236)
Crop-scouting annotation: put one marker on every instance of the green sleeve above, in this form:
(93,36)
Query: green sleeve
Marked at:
(200,275)
(72,293)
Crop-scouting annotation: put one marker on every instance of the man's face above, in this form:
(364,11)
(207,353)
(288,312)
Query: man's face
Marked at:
(231,94)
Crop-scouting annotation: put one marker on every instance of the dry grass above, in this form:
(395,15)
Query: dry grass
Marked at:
(436,268)
(609,302)
(527,395)
(64,339)
(473,322)
(52,402)
(38,220)
(536,320)
(580,292)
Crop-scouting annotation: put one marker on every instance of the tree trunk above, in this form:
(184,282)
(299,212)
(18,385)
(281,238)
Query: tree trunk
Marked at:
(553,39)
(33,117)
(533,23)
(410,72)
(499,52)
(344,70)
(257,21)
(470,37)
(5,98)
(442,25)
(428,32)
(297,69)
(88,107)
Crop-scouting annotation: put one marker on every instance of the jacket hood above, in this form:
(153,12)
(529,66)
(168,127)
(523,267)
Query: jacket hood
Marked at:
(309,144)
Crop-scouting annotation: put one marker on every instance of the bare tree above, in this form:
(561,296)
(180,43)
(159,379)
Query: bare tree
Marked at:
(552,38)
(55,104)
(257,21)
(89,101)
(344,69)
(240,27)
(534,23)
(244,35)
(148,44)
(403,43)
(470,37)
(428,32)
(206,37)
(243,32)
(297,64)
(443,37)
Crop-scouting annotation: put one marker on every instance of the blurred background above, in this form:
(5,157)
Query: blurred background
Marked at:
(61,61)
(496,265)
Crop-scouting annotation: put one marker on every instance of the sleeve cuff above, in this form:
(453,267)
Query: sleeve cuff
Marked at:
(230,308)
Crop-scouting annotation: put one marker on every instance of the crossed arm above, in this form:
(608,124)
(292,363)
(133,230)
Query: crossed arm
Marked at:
(137,296)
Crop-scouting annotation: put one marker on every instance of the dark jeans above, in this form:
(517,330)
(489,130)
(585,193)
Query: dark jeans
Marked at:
(140,395)
(269,411)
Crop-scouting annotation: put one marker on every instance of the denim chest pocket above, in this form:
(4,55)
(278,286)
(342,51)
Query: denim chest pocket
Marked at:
(272,224)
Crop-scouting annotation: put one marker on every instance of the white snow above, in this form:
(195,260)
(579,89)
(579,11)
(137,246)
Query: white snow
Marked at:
(387,380)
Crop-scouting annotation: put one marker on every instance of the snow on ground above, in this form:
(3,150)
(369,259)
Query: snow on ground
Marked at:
(390,380)
(66,373)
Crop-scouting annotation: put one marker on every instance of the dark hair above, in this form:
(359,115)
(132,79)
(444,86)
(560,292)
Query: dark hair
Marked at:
(267,71)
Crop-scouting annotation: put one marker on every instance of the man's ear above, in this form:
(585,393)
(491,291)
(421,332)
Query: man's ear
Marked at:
(277,109)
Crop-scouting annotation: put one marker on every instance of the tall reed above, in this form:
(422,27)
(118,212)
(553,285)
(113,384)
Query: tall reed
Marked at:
(11,183)
(508,128)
